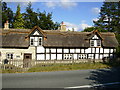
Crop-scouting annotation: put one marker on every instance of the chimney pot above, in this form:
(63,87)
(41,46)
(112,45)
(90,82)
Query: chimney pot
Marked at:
(62,26)
(6,25)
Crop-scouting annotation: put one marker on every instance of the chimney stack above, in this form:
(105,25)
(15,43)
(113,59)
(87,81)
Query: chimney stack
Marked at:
(6,25)
(62,26)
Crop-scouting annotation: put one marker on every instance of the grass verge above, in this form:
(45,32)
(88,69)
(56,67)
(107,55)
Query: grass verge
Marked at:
(66,67)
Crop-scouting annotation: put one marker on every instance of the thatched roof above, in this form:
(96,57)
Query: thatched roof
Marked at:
(55,38)
(77,39)
(14,38)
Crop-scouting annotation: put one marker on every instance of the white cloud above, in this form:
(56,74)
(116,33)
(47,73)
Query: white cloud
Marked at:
(50,4)
(96,10)
(21,0)
(61,3)
(76,27)
(95,19)
(83,26)
(67,4)
(83,21)
(70,26)
(58,0)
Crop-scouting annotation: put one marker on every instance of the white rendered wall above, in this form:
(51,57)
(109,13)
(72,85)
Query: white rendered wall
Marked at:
(75,56)
(82,50)
(66,50)
(77,50)
(97,50)
(47,50)
(47,56)
(106,50)
(95,37)
(53,56)
(18,54)
(53,50)
(40,49)
(59,56)
(36,33)
(88,50)
(71,50)
(59,50)
(40,57)
(101,50)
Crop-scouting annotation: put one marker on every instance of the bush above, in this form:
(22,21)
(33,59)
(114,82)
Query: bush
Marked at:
(118,52)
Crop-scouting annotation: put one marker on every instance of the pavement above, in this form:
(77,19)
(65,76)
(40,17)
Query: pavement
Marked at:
(64,79)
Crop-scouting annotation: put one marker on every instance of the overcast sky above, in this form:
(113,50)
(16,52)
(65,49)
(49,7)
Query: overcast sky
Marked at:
(77,15)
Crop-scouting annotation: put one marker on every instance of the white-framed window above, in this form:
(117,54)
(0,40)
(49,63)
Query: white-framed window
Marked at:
(35,41)
(68,56)
(98,43)
(92,43)
(82,56)
(9,56)
(95,43)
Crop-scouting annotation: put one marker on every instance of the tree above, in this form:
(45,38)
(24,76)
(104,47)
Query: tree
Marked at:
(30,17)
(18,20)
(45,21)
(41,19)
(7,14)
(109,18)
(89,29)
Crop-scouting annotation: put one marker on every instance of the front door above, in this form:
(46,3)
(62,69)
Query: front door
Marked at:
(27,60)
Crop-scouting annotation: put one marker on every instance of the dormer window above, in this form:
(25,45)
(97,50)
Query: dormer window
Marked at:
(35,41)
(95,43)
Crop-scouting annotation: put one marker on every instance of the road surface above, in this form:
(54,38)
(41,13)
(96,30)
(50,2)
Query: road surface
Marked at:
(62,79)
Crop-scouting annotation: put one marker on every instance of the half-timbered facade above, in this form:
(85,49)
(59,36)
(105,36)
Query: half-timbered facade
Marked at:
(38,44)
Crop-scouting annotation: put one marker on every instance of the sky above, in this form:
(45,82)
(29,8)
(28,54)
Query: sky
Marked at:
(77,15)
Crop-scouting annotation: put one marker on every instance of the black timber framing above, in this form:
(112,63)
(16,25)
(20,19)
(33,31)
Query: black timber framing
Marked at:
(45,53)
(62,53)
(50,53)
(97,51)
(74,53)
(36,53)
(56,53)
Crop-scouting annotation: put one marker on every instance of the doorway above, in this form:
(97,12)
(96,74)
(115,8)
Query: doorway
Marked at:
(27,60)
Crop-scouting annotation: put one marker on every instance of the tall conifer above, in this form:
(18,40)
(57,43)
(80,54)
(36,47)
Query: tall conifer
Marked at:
(18,20)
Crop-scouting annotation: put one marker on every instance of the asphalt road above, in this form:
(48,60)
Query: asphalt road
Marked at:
(61,79)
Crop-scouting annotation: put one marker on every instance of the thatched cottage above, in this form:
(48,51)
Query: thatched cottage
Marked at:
(38,44)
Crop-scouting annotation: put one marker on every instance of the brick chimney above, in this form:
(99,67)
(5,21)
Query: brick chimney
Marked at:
(6,25)
(62,26)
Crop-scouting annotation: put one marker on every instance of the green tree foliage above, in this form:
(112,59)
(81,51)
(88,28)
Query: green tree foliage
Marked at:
(7,14)
(89,29)
(42,19)
(18,20)
(109,18)
(30,17)
(45,21)
(118,48)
